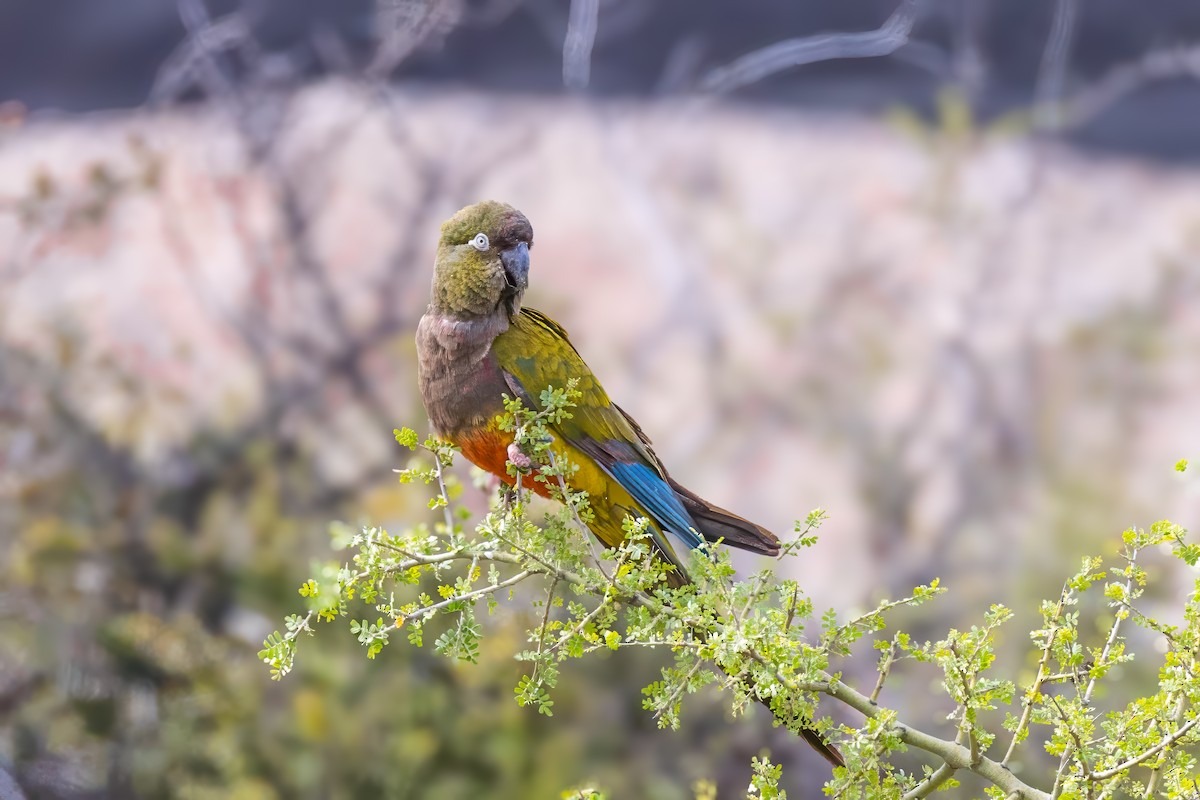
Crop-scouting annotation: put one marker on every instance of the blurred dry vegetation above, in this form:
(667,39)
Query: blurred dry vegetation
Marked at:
(975,346)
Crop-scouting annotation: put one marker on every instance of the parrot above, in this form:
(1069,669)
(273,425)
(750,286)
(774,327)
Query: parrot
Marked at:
(478,343)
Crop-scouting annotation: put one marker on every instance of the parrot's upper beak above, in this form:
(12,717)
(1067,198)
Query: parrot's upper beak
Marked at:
(516,265)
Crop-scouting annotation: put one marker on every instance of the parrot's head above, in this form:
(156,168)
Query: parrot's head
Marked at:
(482,261)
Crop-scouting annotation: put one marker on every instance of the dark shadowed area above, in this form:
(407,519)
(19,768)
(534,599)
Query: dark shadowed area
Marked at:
(933,265)
(83,56)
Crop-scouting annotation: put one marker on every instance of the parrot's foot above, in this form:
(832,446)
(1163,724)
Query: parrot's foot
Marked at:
(517,457)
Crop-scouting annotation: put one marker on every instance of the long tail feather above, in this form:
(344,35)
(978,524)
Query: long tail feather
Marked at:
(717,523)
(827,750)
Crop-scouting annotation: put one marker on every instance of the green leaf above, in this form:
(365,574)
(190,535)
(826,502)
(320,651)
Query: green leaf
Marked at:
(406,437)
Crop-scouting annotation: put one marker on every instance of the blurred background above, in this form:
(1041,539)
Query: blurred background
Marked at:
(933,265)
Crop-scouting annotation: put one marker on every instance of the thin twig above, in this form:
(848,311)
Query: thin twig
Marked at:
(1124,79)
(791,612)
(446,513)
(968,684)
(1087,770)
(755,66)
(1047,112)
(930,785)
(882,608)
(577,46)
(751,596)
(1041,678)
(1148,754)
(583,623)
(1156,773)
(583,529)
(677,693)
(1114,631)
(885,667)
(542,628)
(191,61)
(402,26)
(1087,695)
(425,611)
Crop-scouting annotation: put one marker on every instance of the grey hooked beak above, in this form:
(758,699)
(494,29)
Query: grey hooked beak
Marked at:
(516,265)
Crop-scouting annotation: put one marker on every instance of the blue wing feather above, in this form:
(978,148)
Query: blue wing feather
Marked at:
(596,426)
(658,498)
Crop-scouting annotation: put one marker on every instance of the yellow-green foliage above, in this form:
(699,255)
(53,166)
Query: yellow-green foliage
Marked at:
(1071,729)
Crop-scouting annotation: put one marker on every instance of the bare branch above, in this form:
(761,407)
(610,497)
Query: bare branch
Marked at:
(404,25)
(194,60)
(1047,112)
(969,65)
(753,67)
(577,46)
(1124,79)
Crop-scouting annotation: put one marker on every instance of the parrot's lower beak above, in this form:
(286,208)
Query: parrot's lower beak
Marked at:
(516,265)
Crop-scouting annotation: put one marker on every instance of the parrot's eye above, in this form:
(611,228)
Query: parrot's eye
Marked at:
(480,242)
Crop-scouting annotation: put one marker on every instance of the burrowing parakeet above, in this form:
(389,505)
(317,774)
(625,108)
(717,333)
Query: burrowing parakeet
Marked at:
(477,343)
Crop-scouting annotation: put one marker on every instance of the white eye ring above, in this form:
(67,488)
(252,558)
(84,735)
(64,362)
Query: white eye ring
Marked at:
(480,242)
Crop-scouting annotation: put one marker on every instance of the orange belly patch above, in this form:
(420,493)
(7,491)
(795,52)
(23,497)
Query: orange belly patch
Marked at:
(487,449)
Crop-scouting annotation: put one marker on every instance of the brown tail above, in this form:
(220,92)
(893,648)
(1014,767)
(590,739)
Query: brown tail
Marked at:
(827,750)
(717,523)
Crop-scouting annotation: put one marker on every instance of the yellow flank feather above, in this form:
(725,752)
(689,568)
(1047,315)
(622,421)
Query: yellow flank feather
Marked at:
(537,352)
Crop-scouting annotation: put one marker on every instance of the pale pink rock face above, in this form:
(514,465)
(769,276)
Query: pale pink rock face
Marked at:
(779,299)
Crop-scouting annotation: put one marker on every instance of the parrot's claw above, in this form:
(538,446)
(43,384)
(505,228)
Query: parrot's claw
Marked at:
(517,457)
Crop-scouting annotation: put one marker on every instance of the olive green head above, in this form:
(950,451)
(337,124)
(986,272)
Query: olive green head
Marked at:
(482,261)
